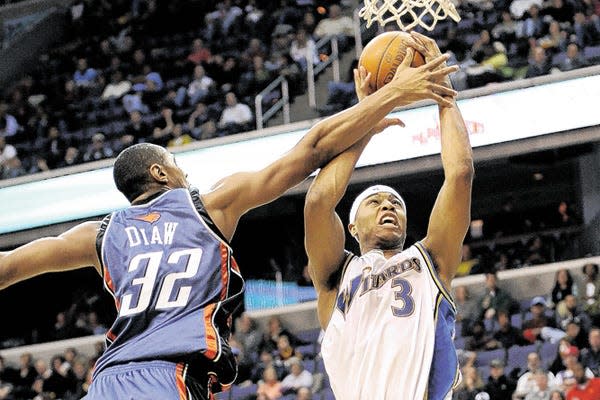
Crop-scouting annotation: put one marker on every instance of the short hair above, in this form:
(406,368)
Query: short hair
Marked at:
(131,168)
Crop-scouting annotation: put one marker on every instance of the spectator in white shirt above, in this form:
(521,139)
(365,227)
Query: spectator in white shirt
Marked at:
(236,116)
(298,377)
(527,383)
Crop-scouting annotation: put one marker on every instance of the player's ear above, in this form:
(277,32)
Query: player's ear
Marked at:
(352,229)
(158,173)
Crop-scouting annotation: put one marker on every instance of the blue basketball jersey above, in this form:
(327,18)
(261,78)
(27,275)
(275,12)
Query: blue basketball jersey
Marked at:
(174,281)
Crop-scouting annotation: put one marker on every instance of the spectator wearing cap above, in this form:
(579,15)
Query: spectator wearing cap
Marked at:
(528,382)
(590,355)
(540,326)
(565,379)
(586,388)
(499,386)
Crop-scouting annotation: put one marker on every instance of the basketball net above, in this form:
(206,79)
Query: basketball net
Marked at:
(425,13)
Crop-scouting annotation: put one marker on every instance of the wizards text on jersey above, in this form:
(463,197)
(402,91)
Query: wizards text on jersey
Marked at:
(372,281)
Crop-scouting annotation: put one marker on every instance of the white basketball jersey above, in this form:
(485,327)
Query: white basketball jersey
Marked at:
(391,332)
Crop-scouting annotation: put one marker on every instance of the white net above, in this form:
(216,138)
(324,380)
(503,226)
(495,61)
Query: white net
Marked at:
(408,13)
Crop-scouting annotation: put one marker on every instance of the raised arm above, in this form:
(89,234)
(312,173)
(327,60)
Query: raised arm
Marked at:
(76,248)
(324,236)
(451,212)
(238,193)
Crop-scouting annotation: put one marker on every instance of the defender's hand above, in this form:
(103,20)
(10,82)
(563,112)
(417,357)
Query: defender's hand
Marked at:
(363,89)
(429,48)
(424,82)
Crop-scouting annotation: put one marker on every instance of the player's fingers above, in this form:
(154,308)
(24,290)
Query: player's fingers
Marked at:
(436,62)
(363,72)
(393,121)
(442,101)
(443,90)
(418,46)
(421,38)
(408,57)
(444,71)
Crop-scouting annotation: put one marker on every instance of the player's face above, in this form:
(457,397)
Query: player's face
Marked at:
(177,178)
(381,221)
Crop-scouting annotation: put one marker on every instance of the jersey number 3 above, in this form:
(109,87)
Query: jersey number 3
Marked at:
(403,294)
(147,281)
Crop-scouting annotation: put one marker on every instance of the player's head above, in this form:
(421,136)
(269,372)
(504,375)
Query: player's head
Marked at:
(378,218)
(146,167)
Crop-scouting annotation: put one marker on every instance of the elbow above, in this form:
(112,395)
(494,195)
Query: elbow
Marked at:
(463,171)
(318,152)
(314,198)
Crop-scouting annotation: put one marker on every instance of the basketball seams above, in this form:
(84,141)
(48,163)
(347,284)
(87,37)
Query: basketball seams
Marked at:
(382,59)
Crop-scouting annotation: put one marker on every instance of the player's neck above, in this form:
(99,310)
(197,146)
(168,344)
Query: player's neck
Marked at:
(387,253)
(149,195)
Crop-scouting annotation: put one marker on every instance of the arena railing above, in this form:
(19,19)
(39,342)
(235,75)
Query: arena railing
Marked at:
(313,71)
(282,103)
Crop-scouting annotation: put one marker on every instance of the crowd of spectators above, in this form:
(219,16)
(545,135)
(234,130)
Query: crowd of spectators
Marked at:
(533,348)
(148,71)
(184,71)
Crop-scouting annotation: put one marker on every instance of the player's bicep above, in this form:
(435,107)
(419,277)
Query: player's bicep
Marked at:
(324,241)
(73,249)
(449,222)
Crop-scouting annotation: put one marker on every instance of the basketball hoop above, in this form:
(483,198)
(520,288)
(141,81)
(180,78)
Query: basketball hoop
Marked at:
(415,12)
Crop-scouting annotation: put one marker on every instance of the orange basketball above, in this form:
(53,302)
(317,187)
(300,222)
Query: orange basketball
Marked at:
(383,54)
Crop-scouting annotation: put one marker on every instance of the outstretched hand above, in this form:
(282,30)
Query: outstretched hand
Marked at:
(426,81)
(363,89)
(429,48)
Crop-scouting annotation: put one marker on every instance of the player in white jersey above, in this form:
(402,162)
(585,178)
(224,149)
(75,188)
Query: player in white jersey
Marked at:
(387,314)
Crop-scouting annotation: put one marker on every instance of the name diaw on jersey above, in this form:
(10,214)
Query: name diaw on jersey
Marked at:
(156,235)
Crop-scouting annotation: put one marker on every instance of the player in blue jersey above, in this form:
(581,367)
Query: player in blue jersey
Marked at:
(387,314)
(166,259)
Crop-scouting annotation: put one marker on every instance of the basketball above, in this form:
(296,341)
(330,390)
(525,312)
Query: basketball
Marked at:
(383,54)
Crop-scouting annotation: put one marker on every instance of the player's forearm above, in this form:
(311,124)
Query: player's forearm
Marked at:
(335,134)
(7,271)
(457,155)
(332,181)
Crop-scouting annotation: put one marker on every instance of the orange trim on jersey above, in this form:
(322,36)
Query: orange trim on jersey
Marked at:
(111,336)
(224,271)
(108,280)
(180,381)
(212,345)
(234,265)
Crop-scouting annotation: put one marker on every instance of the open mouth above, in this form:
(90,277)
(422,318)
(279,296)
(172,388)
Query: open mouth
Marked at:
(389,220)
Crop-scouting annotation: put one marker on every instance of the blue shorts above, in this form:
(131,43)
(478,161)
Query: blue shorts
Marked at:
(149,380)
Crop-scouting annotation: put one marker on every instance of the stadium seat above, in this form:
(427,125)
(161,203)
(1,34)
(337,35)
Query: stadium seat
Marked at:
(517,356)
(484,357)
(309,335)
(548,352)
(516,320)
